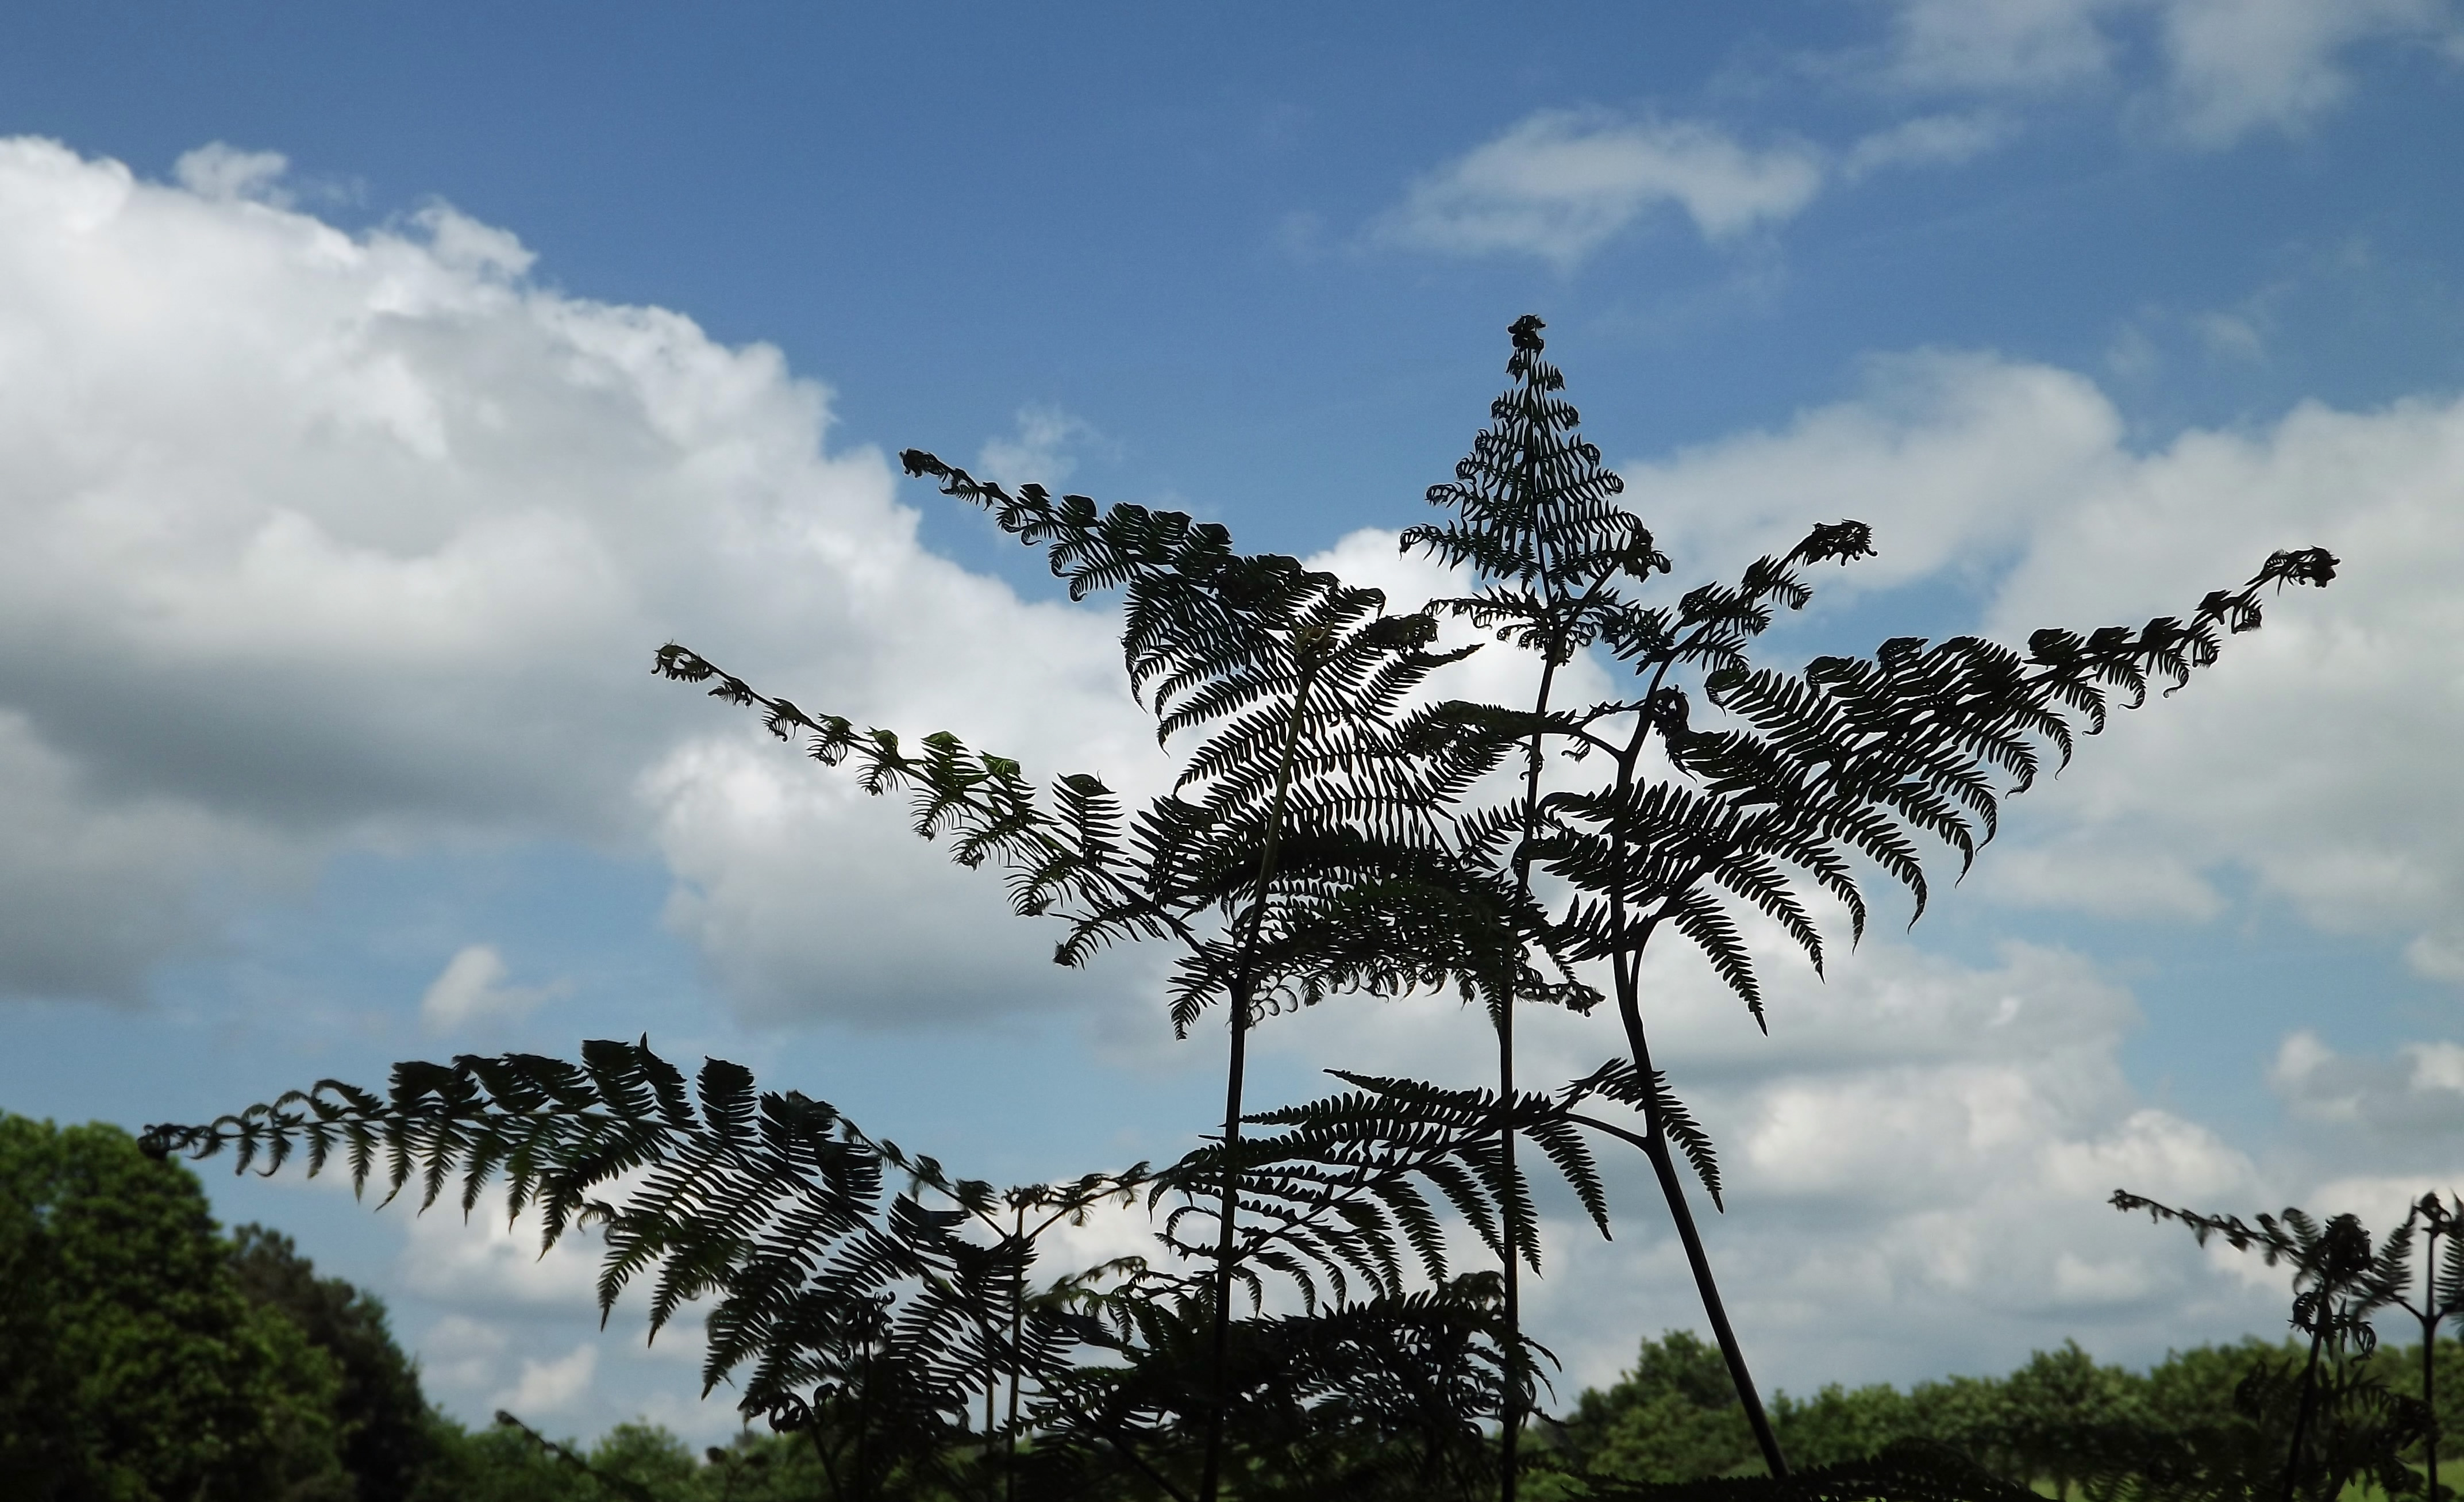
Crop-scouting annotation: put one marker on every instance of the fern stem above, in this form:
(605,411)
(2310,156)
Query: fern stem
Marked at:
(1518,1378)
(1236,1066)
(1673,1189)
(2309,1395)
(2433,1312)
(1017,1313)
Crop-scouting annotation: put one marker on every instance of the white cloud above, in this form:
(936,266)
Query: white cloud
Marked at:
(1950,456)
(2239,66)
(220,172)
(2413,1101)
(461,1352)
(2230,334)
(1560,183)
(2313,759)
(487,1264)
(387,534)
(2217,70)
(96,879)
(1926,141)
(1918,1160)
(321,540)
(553,1388)
(470,990)
(1039,451)
(2001,45)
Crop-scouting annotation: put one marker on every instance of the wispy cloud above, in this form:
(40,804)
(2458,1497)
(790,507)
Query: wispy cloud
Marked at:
(2239,66)
(224,173)
(1040,449)
(2000,46)
(1561,183)
(2208,71)
(1926,141)
(471,990)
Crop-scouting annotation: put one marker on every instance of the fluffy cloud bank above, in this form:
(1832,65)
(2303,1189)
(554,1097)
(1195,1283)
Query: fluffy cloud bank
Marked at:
(2310,761)
(318,538)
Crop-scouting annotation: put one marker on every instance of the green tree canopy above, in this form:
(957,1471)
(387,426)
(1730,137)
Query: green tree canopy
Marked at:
(384,1417)
(132,1365)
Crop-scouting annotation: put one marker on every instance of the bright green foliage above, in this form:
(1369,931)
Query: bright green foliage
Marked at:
(135,1367)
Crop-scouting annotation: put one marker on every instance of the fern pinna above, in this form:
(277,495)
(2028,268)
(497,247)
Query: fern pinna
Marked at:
(869,1320)
(1793,780)
(872,1318)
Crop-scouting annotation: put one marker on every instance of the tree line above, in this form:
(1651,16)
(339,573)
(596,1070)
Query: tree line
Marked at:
(148,1357)
(2053,1422)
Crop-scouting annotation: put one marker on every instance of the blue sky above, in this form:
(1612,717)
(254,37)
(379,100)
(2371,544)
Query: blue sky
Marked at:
(383,384)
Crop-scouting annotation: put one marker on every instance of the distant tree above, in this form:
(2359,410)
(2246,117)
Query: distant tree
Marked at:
(133,1368)
(384,1417)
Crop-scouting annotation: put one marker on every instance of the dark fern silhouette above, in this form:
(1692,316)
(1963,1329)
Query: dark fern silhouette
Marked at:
(872,1321)
(1337,827)
(2345,1424)
(1801,774)
(2442,1295)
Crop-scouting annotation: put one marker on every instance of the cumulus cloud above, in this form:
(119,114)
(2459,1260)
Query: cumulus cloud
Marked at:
(485,1263)
(1560,183)
(1952,457)
(337,539)
(1917,1160)
(2312,759)
(322,540)
(97,880)
(2417,1094)
(459,1351)
(2239,66)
